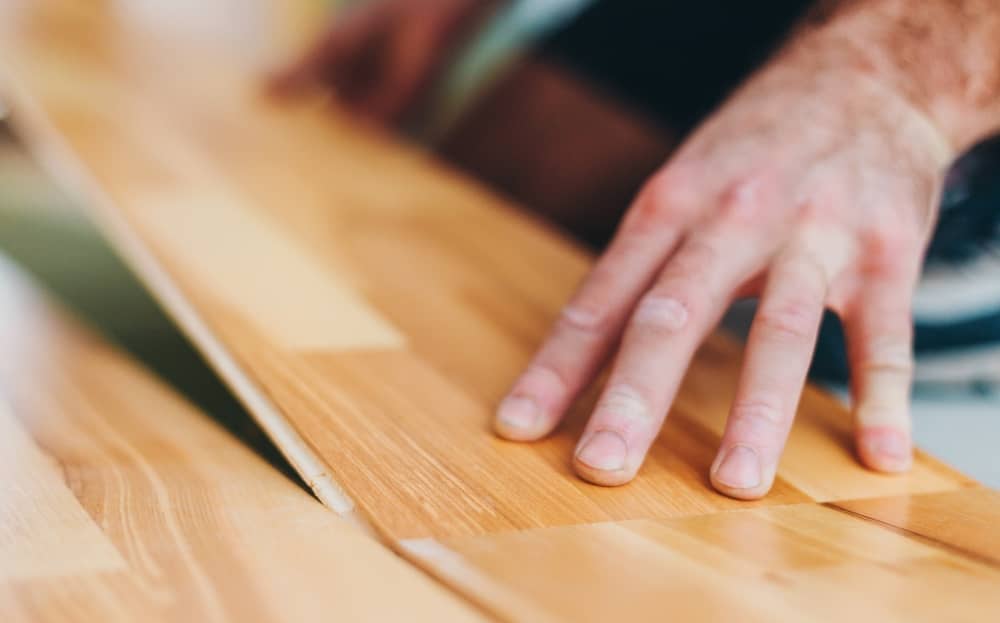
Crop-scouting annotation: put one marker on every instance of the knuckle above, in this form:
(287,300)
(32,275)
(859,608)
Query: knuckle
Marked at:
(745,200)
(542,378)
(806,272)
(684,290)
(889,356)
(582,319)
(881,326)
(624,252)
(792,319)
(898,368)
(895,340)
(758,414)
(698,254)
(661,311)
(675,184)
(888,251)
(649,214)
(881,341)
(624,404)
(591,310)
(821,201)
(665,201)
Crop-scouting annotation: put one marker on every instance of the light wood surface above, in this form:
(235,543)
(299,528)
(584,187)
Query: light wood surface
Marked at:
(120,502)
(370,307)
(930,557)
(367,305)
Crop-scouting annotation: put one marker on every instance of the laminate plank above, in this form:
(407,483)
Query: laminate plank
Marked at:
(368,305)
(120,502)
(803,562)
(39,515)
(964,520)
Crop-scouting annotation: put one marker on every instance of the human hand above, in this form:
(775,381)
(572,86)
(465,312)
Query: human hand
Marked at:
(381,56)
(813,187)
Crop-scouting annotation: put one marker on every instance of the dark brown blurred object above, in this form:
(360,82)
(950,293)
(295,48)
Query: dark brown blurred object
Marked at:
(380,58)
(559,145)
(542,135)
(575,132)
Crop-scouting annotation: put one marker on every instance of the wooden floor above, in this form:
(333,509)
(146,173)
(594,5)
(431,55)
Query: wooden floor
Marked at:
(370,307)
(931,557)
(120,502)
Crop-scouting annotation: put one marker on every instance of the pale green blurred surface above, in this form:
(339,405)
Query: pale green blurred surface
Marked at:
(44,233)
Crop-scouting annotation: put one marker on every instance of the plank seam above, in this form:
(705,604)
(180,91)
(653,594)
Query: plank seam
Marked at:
(989,561)
(452,571)
(56,157)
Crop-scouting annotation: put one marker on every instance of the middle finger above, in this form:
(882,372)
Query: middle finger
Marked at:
(665,329)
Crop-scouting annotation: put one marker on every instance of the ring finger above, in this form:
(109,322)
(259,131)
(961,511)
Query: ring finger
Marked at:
(779,349)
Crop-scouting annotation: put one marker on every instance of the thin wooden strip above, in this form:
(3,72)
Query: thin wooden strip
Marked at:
(120,502)
(453,569)
(53,151)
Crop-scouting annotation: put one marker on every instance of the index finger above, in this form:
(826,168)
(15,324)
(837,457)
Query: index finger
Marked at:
(581,338)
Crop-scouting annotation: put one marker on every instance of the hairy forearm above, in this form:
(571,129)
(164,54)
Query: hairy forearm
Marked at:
(941,55)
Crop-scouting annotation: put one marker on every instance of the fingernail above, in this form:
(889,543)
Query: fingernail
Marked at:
(889,447)
(518,412)
(604,451)
(740,468)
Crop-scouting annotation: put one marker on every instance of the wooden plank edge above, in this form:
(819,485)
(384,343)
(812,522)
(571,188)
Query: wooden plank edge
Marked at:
(957,550)
(451,570)
(58,161)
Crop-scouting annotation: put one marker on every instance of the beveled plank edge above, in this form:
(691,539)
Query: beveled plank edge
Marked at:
(957,550)
(405,545)
(449,568)
(58,161)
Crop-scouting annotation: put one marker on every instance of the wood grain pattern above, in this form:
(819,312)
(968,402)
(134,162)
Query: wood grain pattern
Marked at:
(386,405)
(803,562)
(120,502)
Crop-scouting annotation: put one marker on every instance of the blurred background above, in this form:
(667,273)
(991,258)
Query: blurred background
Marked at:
(515,78)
